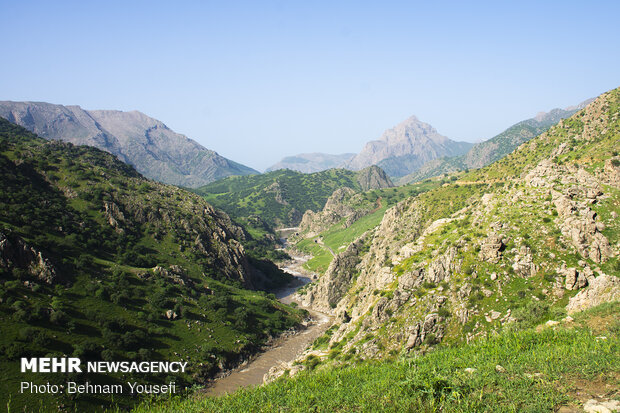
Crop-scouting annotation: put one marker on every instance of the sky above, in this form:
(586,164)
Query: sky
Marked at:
(260,80)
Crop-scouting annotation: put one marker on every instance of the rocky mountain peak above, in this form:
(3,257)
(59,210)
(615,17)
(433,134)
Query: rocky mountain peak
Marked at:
(406,147)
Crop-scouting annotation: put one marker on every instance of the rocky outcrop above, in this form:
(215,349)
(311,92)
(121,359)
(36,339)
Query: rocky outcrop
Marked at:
(581,226)
(343,203)
(429,330)
(373,177)
(523,263)
(602,289)
(175,274)
(491,249)
(277,191)
(331,287)
(443,266)
(114,216)
(575,279)
(17,254)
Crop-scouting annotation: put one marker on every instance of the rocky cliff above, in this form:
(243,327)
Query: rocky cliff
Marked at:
(143,142)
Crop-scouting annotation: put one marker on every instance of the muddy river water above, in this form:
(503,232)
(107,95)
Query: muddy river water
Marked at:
(287,350)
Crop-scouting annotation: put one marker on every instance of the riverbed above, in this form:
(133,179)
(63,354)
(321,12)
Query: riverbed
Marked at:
(286,349)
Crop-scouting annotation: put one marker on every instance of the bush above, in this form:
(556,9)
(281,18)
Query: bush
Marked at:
(533,313)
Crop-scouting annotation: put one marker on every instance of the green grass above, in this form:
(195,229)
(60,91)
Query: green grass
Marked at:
(541,369)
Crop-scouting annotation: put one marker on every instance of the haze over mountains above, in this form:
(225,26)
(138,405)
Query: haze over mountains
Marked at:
(411,151)
(399,151)
(135,138)
(311,162)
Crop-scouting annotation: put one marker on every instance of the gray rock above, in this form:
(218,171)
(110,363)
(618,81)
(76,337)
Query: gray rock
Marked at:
(491,248)
(603,289)
(406,147)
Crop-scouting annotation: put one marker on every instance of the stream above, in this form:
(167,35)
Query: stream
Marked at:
(284,351)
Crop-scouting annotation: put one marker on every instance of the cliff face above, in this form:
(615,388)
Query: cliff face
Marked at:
(141,141)
(486,252)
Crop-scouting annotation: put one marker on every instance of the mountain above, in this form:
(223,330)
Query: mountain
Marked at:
(406,147)
(100,263)
(312,162)
(281,197)
(143,142)
(495,148)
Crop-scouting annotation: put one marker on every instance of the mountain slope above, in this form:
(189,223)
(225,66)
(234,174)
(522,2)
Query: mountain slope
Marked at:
(311,162)
(146,143)
(527,238)
(100,263)
(406,147)
(281,197)
(495,148)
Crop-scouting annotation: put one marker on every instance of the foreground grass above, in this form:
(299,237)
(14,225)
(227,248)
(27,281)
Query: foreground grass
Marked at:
(537,374)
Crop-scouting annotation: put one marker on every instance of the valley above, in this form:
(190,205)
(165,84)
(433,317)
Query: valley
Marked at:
(442,286)
(460,292)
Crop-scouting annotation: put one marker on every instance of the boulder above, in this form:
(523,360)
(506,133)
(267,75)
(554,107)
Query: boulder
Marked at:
(602,289)
(491,249)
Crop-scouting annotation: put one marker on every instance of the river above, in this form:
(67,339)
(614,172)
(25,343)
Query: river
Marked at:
(286,350)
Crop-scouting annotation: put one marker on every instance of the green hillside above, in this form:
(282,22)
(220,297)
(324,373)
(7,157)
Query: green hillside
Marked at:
(100,263)
(281,197)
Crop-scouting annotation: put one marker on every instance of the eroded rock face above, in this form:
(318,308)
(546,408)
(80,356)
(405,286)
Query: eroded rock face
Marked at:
(338,206)
(418,333)
(575,279)
(441,268)
(602,289)
(581,226)
(332,286)
(15,253)
(491,249)
(524,263)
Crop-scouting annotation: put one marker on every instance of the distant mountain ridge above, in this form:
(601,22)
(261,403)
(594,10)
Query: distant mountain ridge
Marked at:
(406,147)
(135,138)
(311,162)
(489,151)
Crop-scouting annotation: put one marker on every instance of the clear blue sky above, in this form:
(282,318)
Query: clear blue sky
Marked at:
(257,81)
